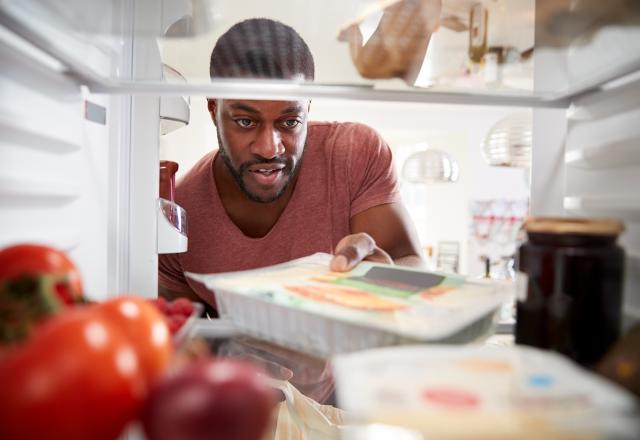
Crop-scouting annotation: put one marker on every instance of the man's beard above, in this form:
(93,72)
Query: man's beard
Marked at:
(289,173)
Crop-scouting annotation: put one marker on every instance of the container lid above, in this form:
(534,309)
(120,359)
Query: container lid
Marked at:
(581,226)
(501,392)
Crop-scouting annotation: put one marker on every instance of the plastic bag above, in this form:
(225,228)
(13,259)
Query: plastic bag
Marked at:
(302,418)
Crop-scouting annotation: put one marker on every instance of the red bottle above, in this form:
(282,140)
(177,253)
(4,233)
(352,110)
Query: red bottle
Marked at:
(168,179)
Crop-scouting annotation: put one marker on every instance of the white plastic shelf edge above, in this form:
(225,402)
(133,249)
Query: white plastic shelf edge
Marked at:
(29,135)
(624,153)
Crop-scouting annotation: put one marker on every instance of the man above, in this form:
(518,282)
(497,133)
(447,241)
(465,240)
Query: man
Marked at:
(281,187)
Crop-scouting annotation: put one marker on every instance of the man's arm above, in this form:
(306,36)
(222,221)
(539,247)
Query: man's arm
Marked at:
(170,295)
(382,233)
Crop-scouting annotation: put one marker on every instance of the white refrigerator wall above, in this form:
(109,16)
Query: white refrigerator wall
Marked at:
(74,181)
(54,173)
(144,160)
(602,176)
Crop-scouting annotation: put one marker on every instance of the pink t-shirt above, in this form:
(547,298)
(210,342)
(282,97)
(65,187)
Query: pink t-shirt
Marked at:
(346,169)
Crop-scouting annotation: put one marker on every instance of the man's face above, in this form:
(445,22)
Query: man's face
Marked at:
(261,143)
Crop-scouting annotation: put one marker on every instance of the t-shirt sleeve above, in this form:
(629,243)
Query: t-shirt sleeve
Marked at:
(372,177)
(170,273)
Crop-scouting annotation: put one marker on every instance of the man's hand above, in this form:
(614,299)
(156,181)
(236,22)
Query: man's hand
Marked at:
(383,234)
(355,248)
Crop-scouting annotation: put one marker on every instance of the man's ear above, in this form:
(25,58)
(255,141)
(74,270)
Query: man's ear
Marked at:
(212,106)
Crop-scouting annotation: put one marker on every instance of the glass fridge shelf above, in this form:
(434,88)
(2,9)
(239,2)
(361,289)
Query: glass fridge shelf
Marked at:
(434,51)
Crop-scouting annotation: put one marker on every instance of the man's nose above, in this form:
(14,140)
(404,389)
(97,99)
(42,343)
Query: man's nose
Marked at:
(268,144)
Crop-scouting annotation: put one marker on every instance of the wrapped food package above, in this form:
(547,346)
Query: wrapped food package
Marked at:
(480,392)
(390,40)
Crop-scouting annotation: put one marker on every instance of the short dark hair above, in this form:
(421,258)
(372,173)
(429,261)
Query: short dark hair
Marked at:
(261,48)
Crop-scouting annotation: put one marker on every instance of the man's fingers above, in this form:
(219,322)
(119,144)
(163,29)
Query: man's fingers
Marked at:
(347,257)
(339,263)
(379,256)
(352,249)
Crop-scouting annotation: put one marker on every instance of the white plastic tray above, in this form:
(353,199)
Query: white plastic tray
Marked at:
(258,303)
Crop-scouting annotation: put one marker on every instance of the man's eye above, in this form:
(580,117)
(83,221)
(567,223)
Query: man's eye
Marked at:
(244,122)
(290,123)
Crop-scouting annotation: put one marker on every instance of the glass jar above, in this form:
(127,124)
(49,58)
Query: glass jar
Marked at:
(575,271)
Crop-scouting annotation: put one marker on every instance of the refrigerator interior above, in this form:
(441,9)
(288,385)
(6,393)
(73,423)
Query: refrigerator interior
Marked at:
(81,90)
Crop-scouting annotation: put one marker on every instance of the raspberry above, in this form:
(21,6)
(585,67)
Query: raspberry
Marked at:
(160,303)
(176,322)
(180,306)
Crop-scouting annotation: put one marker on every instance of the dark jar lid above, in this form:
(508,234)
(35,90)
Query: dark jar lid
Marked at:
(572,231)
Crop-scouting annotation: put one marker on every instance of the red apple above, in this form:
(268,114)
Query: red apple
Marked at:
(211,399)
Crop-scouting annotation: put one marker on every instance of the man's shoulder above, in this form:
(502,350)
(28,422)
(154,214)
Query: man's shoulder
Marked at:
(346,146)
(341,135)
(200,170)
(329,127)
(195,181)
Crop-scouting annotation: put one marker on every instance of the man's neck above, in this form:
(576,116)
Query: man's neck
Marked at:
(253,218)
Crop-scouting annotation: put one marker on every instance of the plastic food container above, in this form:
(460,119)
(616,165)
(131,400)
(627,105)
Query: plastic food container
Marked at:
(301,305)
(183,333)
(480,392)
(309,374)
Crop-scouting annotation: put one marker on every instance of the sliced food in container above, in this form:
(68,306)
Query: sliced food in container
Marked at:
(302,305)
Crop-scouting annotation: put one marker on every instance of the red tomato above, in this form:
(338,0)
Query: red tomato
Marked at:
(146,329)
(77,378)
(36,260)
